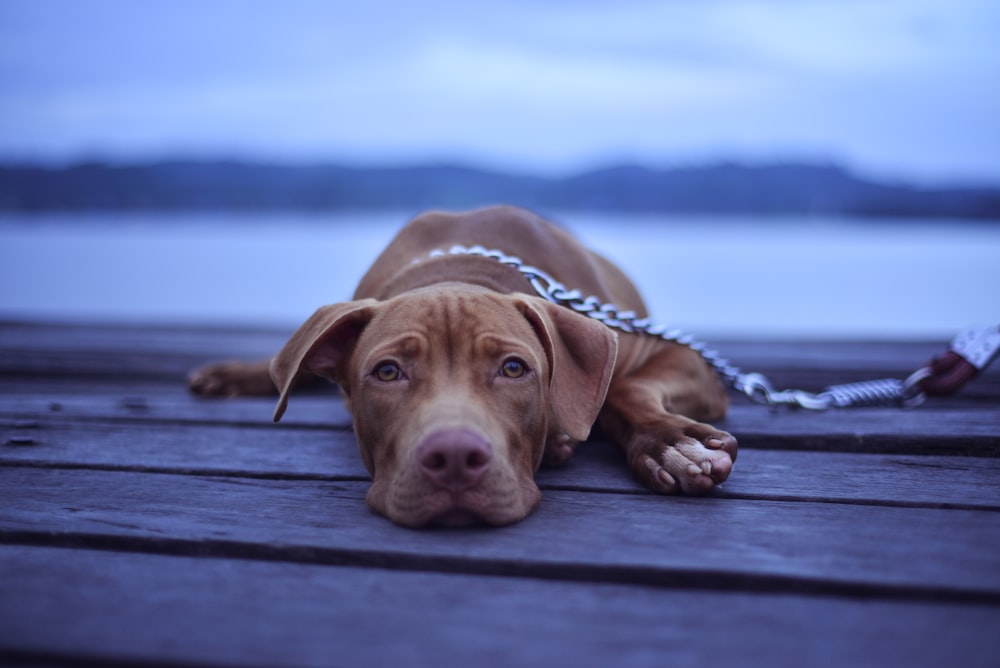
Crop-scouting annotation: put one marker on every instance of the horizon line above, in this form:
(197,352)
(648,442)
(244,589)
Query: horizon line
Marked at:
(509,170)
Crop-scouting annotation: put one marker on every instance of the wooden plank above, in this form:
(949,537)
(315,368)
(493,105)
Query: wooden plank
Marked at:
(142,400)
(708,543)
(942,426)
(123,351)
(331,454)
(99,607)
(936,428)
(198,449)
(929,481)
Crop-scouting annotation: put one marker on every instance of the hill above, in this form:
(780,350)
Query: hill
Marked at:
(721,189)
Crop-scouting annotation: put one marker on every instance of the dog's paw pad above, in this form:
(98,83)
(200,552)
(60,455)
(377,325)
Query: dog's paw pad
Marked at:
(686,464)
(705,466)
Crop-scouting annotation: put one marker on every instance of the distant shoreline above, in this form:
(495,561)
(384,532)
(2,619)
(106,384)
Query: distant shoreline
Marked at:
(721,189)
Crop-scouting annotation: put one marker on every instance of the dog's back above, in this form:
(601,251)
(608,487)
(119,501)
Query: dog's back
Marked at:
(515,232)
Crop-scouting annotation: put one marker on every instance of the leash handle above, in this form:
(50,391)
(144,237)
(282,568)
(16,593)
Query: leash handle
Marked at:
(943,375)
(971,351)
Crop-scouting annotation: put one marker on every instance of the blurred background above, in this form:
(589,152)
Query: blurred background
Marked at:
(763,168)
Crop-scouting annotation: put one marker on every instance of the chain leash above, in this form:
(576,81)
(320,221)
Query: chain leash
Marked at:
(756,386)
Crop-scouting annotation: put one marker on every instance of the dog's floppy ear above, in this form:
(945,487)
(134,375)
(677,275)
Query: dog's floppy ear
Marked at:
(581,354)
(319,345)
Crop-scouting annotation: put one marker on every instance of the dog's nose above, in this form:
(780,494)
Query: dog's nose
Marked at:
(454,459)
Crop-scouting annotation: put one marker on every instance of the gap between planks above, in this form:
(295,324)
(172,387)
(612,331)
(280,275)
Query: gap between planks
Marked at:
(719,493)
(676,579)
(883,552)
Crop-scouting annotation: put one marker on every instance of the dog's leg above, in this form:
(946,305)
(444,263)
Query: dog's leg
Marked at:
(233,379)
(653,413)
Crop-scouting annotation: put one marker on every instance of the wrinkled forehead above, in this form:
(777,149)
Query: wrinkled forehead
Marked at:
(450,317)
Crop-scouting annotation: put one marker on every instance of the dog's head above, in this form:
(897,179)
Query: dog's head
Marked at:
(454,392)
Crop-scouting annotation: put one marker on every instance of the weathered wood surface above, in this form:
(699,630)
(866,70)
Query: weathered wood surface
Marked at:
(330,454)
(315,615)
(605,537)
(409,618)
(949,426)
(138,523)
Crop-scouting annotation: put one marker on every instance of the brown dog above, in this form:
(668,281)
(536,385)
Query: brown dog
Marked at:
(461,380)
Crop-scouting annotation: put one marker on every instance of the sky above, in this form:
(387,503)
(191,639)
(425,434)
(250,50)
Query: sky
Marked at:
(906,89)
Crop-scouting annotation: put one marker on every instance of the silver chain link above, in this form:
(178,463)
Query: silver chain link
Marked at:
(756,386)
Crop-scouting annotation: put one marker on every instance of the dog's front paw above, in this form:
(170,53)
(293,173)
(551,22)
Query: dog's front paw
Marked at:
(232,379)
(691,458)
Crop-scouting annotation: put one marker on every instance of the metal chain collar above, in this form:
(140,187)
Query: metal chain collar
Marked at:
(755,386)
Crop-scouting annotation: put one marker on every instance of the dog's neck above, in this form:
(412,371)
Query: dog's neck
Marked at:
(471,270)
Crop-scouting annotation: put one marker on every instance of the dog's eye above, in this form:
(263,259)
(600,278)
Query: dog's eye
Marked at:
(513,368)
(388,372)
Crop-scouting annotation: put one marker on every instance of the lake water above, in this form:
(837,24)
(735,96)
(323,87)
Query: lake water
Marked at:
(753,277)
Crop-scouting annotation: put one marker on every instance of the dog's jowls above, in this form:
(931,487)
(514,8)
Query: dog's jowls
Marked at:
(461,381)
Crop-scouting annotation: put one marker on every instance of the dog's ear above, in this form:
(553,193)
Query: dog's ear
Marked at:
(581,353)
(320,345)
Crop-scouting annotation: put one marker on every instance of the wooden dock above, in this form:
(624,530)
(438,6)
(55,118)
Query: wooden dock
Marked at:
(141,525)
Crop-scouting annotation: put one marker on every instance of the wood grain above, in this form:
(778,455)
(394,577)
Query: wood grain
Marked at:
(309,452)
(101,607)
(607,537)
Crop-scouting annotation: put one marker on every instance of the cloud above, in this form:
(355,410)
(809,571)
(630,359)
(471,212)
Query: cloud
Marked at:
(543,84)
